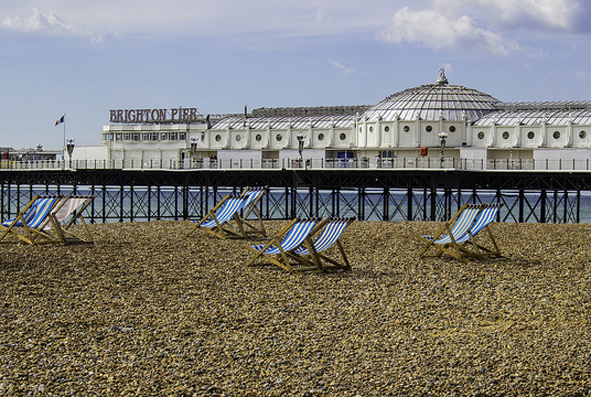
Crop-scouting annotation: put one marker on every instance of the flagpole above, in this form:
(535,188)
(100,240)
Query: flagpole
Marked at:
(64,118)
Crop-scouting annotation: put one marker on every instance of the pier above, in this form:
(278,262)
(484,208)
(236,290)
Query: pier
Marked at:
(369,194)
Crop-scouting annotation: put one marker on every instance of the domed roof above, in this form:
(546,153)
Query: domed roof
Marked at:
(432,101)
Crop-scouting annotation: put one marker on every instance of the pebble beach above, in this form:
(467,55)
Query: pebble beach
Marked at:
(147,312)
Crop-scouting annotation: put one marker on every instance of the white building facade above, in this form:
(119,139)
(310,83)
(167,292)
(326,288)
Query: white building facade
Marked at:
(431,126)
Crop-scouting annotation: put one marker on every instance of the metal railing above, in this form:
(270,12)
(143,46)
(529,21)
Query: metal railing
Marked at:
(310,164)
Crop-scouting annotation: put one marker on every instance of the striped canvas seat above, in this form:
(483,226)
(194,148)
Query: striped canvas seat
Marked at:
(29,223)
(461,226)
(253,227)
(230,207)
(468,243)
(217,221)
(65,214)
(279,250)
(332,230)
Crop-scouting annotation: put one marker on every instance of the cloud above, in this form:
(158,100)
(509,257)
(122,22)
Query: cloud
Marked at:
(437,31)
(345,69)
(43,23)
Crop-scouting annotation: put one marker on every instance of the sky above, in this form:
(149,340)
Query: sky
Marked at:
(83,58)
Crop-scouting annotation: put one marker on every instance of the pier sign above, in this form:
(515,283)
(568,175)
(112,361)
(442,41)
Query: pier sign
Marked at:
(179,115)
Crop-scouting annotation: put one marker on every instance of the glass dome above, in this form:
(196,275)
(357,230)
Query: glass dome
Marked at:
(432,101)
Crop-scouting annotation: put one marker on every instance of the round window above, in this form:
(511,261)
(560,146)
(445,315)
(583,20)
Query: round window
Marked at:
(429,128)
(320,137)
(238,138)
(452,129)
(278,137)
(556,135)
(370,129)
(258,137)
(218,138)
(343,136)
(386,128)
(406,128)
(480,135)
(531,135)
(583,134)
(505,134)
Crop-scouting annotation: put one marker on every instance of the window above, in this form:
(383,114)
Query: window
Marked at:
(531,135)
(406,128)
(370,129)
(343,136)
(505,134)
(429,128)
(218,138)
(258,137)
(238,138)
(278,137)
(320,137)
(583,134)
(452,129)
(386,128)
(480,135)
(556,135)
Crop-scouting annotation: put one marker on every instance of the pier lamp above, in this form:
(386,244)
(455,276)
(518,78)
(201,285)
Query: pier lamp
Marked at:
(70,150)
(301,138)
(442,136)
(193,146)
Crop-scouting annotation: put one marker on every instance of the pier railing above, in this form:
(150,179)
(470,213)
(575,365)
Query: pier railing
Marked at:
(421,163)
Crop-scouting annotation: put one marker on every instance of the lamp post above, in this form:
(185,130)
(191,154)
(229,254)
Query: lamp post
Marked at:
(443,136)
(301,138)
(70,150)
(193,146)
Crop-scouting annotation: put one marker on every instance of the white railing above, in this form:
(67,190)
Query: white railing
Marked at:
(309,164)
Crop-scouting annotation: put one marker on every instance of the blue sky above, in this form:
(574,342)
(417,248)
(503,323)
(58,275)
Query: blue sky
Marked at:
(85,57)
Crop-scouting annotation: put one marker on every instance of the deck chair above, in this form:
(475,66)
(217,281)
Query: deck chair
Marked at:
(468,245)
(332,229)
(455,228)
(217,221)
(254,194)
(29,223)
(279,250)
(65,214)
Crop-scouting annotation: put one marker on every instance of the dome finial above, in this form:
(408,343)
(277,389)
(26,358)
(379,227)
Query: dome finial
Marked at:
(442,79)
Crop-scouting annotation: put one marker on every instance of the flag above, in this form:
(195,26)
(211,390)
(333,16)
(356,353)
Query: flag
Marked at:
(61,120)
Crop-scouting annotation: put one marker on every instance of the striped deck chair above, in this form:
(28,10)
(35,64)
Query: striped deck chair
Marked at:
(332,229)
(254,194)
(29,223)
(467,243)
(279,250)
(65,214)
(217,221)
(455,228)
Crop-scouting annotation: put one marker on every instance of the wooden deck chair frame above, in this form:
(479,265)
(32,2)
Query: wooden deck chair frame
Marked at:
(26,225)
(223,228)
(279,249)
(255,195)
(331,232)
(445,240)
(470,248)
(66,213)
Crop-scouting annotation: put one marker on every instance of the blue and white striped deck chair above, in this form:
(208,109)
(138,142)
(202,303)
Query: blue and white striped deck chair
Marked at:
(468,244)
(254,196)
(217,221)
(279,249)
(455,228)
(28,224)
(332,230)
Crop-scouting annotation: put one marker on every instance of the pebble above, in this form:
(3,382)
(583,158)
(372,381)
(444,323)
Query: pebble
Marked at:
(147,312)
